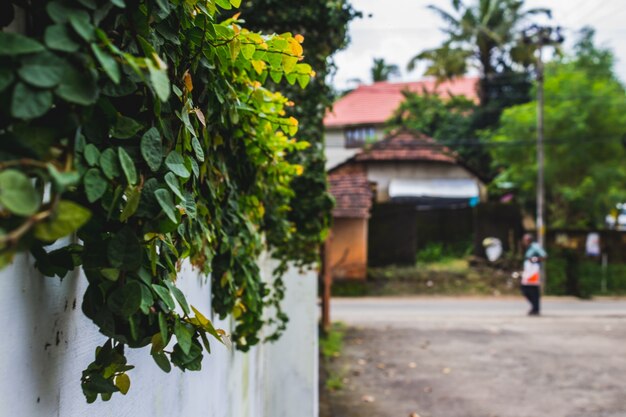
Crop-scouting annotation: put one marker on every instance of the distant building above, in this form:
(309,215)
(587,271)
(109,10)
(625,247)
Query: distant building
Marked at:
(359,116)
(402,167)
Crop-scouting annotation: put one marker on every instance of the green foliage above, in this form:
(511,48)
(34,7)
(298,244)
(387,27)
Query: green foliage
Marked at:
(585,121)
(324,26)
(145,128)
(381,71)
(450,121)
(482,34)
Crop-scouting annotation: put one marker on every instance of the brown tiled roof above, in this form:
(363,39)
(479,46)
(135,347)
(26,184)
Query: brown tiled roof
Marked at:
(351,190)
(375,103)
(407,146)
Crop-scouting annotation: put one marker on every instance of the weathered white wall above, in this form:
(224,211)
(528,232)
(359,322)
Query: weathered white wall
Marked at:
(383,172)
(46,342)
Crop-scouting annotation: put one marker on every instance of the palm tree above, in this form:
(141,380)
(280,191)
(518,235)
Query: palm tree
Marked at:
(381,71)
(484,35)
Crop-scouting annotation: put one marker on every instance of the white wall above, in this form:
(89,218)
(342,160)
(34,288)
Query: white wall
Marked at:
(46,343)
(383,172)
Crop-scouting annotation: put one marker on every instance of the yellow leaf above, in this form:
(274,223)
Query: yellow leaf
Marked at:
(188,82)
(122,382)
(258,65)
(295,47)
(203,320)
(299,38)
(157,343)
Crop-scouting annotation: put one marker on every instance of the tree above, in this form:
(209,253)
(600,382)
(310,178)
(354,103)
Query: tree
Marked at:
(585,122)
(324,26)
(450,121)
(381,71)
(483,35)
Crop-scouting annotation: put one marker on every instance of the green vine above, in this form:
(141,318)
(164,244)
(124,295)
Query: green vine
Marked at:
(144,127)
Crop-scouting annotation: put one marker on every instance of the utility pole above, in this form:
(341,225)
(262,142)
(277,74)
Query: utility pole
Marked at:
(540,36)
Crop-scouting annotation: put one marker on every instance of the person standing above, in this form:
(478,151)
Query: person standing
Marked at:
(534,255)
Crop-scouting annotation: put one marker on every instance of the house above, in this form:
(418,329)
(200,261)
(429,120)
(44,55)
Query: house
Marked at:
(403,168)
(359,116)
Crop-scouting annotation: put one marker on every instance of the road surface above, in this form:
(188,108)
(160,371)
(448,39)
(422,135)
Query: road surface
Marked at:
(465,357)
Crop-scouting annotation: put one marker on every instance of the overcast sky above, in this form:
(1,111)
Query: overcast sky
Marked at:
(399,29)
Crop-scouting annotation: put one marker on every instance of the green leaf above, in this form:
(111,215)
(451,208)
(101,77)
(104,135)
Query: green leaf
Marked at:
(112,274)
(79,21)
(67,218)
(176,164)
(303,80)
(109,163)
(165,201)
(6,78)
(180,297)
(276,76)
(92,154)
(152,148)
(147,300)
(125,127)
(57,37)
(162,361)
(78,87)
(122,382)
(119,3)
(16,44)
(248,51)
(133,196)
(197,148)
(124,250)
(95,185)
(125,300)
(63,180)
(164,295)
(160,82)
(28,103)
(109,64)
(44,70)
(235,3)
(172,182)
(183,335)
(17,193)
(128,166)
(224,4)
(59,12)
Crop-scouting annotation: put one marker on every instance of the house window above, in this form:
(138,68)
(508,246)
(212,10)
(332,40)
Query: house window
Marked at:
(356,137)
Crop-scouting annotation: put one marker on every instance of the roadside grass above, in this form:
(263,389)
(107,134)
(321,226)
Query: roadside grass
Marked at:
(331,345)
(439,270)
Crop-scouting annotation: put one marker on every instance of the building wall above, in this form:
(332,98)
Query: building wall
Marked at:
(383,172)
(48,342)
(348,258)
(334,138)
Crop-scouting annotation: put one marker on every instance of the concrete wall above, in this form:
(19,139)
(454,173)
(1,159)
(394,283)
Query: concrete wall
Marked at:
(47,342)
(334,138)
(348,256)
(383,172)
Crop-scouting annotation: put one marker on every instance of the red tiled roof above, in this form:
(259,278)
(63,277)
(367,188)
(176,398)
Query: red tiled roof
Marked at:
(374,104)
(407,146)
(351,190)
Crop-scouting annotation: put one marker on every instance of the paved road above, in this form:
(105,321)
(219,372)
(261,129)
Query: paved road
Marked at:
(467,357)
(408,309)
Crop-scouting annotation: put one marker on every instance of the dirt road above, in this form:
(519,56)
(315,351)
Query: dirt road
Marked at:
(474,358)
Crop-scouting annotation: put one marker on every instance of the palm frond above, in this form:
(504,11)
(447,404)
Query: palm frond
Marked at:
(447,17)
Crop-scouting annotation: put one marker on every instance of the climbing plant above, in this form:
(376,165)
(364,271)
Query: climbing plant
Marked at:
(324,25)
(134,135)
